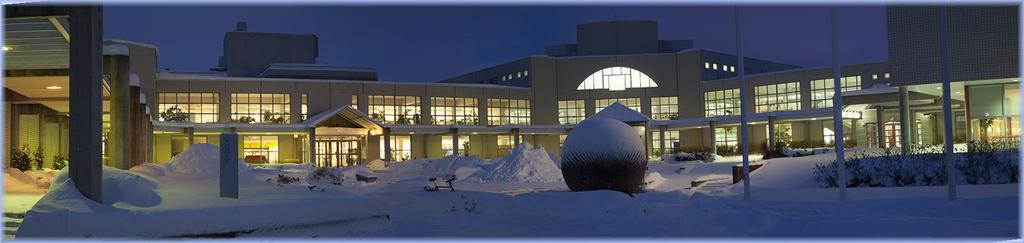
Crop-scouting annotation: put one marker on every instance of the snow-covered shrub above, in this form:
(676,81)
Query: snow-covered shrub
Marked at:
(37,158)
(60,161)
(705,156)
(20,159)
(923,166)
(283,180)
(325,175)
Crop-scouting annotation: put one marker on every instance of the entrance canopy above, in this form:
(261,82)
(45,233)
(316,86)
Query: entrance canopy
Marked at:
(617,111)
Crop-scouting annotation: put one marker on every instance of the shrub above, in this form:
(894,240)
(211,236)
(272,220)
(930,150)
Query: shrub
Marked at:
(174,114)
(325,175)
(923,166)
(37,158)
(60,161)
(282,180)
(20,159)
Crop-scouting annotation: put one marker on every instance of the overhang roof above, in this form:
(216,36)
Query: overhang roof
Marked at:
(36,43)
(622,113)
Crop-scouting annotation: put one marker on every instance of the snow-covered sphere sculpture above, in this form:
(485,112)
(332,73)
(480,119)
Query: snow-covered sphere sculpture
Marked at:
(603,154)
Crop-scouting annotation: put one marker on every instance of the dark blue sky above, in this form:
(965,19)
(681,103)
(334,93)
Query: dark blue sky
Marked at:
(426,44)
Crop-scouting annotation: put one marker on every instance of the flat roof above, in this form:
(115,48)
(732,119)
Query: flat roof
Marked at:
(212,76)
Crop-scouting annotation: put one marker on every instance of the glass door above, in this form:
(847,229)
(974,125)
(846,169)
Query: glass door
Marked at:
(336,151)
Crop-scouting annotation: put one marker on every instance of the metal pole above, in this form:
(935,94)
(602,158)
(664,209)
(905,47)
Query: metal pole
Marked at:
(743,108)
(947,110)
(837,109)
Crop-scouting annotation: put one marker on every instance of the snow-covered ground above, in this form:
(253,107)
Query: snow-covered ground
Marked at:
(518,196)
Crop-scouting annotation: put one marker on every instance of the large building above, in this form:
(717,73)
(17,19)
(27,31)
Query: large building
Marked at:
(289,109)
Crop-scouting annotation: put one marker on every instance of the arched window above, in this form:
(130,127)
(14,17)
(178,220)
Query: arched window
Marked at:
(617,79)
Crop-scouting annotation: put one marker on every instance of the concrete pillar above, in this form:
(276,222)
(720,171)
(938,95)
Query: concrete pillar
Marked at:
(191,133)
(455,141)
(771,133)
(311,137)
(905,120)
(116,66)
(86,91)
(229,163)
(515,136)
(880,126)
(711,128)
(661,142)
(854,123)
(387,145)
(136,141)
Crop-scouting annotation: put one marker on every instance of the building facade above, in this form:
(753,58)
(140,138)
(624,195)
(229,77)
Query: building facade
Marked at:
(293,110)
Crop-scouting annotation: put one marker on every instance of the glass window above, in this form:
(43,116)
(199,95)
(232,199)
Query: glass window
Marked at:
(401,148)
(707,65)
(260,149)
(664,108)
(446,144)
(725,137)
(260,108)
(505,143)
(454,110)
(508,112)
(632,103)
(671,142)
(196,107)
(777,97)
(822,90)
(395,109)
(714,66)
(783,133)
(732,69)
(305,107)
(571,111)
(617,79)
(722,103)
(355,101)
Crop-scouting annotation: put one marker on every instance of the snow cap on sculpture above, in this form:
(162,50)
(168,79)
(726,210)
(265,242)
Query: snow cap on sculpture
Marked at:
(603,153)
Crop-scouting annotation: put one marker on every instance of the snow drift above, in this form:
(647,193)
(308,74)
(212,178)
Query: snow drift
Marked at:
(524,163)
(33,181)
(200,160)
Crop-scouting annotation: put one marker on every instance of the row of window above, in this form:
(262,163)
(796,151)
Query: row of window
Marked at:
(724,67)
(519,74)
(875,76)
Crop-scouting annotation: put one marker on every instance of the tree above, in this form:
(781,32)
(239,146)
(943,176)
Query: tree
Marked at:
(20,159)
(60,161)
(37,157)
(174,114)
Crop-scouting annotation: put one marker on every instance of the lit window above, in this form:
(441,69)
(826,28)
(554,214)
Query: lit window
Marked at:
(505,143)
(725,67)
(355,101)
(707,65)
(526,73)
(822,90)
(732,69)
(446,144)
(672,142)
(305,107)
(721,103)
(260,108)
(197,107)
(454,110)
(508,112)
(617,79)
(886,75)
(664,108)
(632,103)
(260,149)
(777,97)
(725,137)
(401,148)
(519,74)
(714,66)
(571,111)
(874,76)
(395,109)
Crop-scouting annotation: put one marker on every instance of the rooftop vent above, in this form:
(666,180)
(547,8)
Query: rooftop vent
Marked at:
(241,26)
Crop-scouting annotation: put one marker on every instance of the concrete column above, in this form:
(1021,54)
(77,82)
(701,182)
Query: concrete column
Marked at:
(455,141)
(771,133)
(229,163)
(854,123)
(387,145)
(311,136)
(191,133)
(661,143)
(116,66)
(711,128)
(515,136)
(880,126)
(905,120)
(136,142)
(85,88)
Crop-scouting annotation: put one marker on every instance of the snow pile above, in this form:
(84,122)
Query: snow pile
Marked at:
(286,167)
(799,152)
(461,166)
(119,187)
(687,157)
(653,180)
(325,175)
(200,160)
(33,181)
(524,163)
(150,169)
(377,165)
(351,172)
